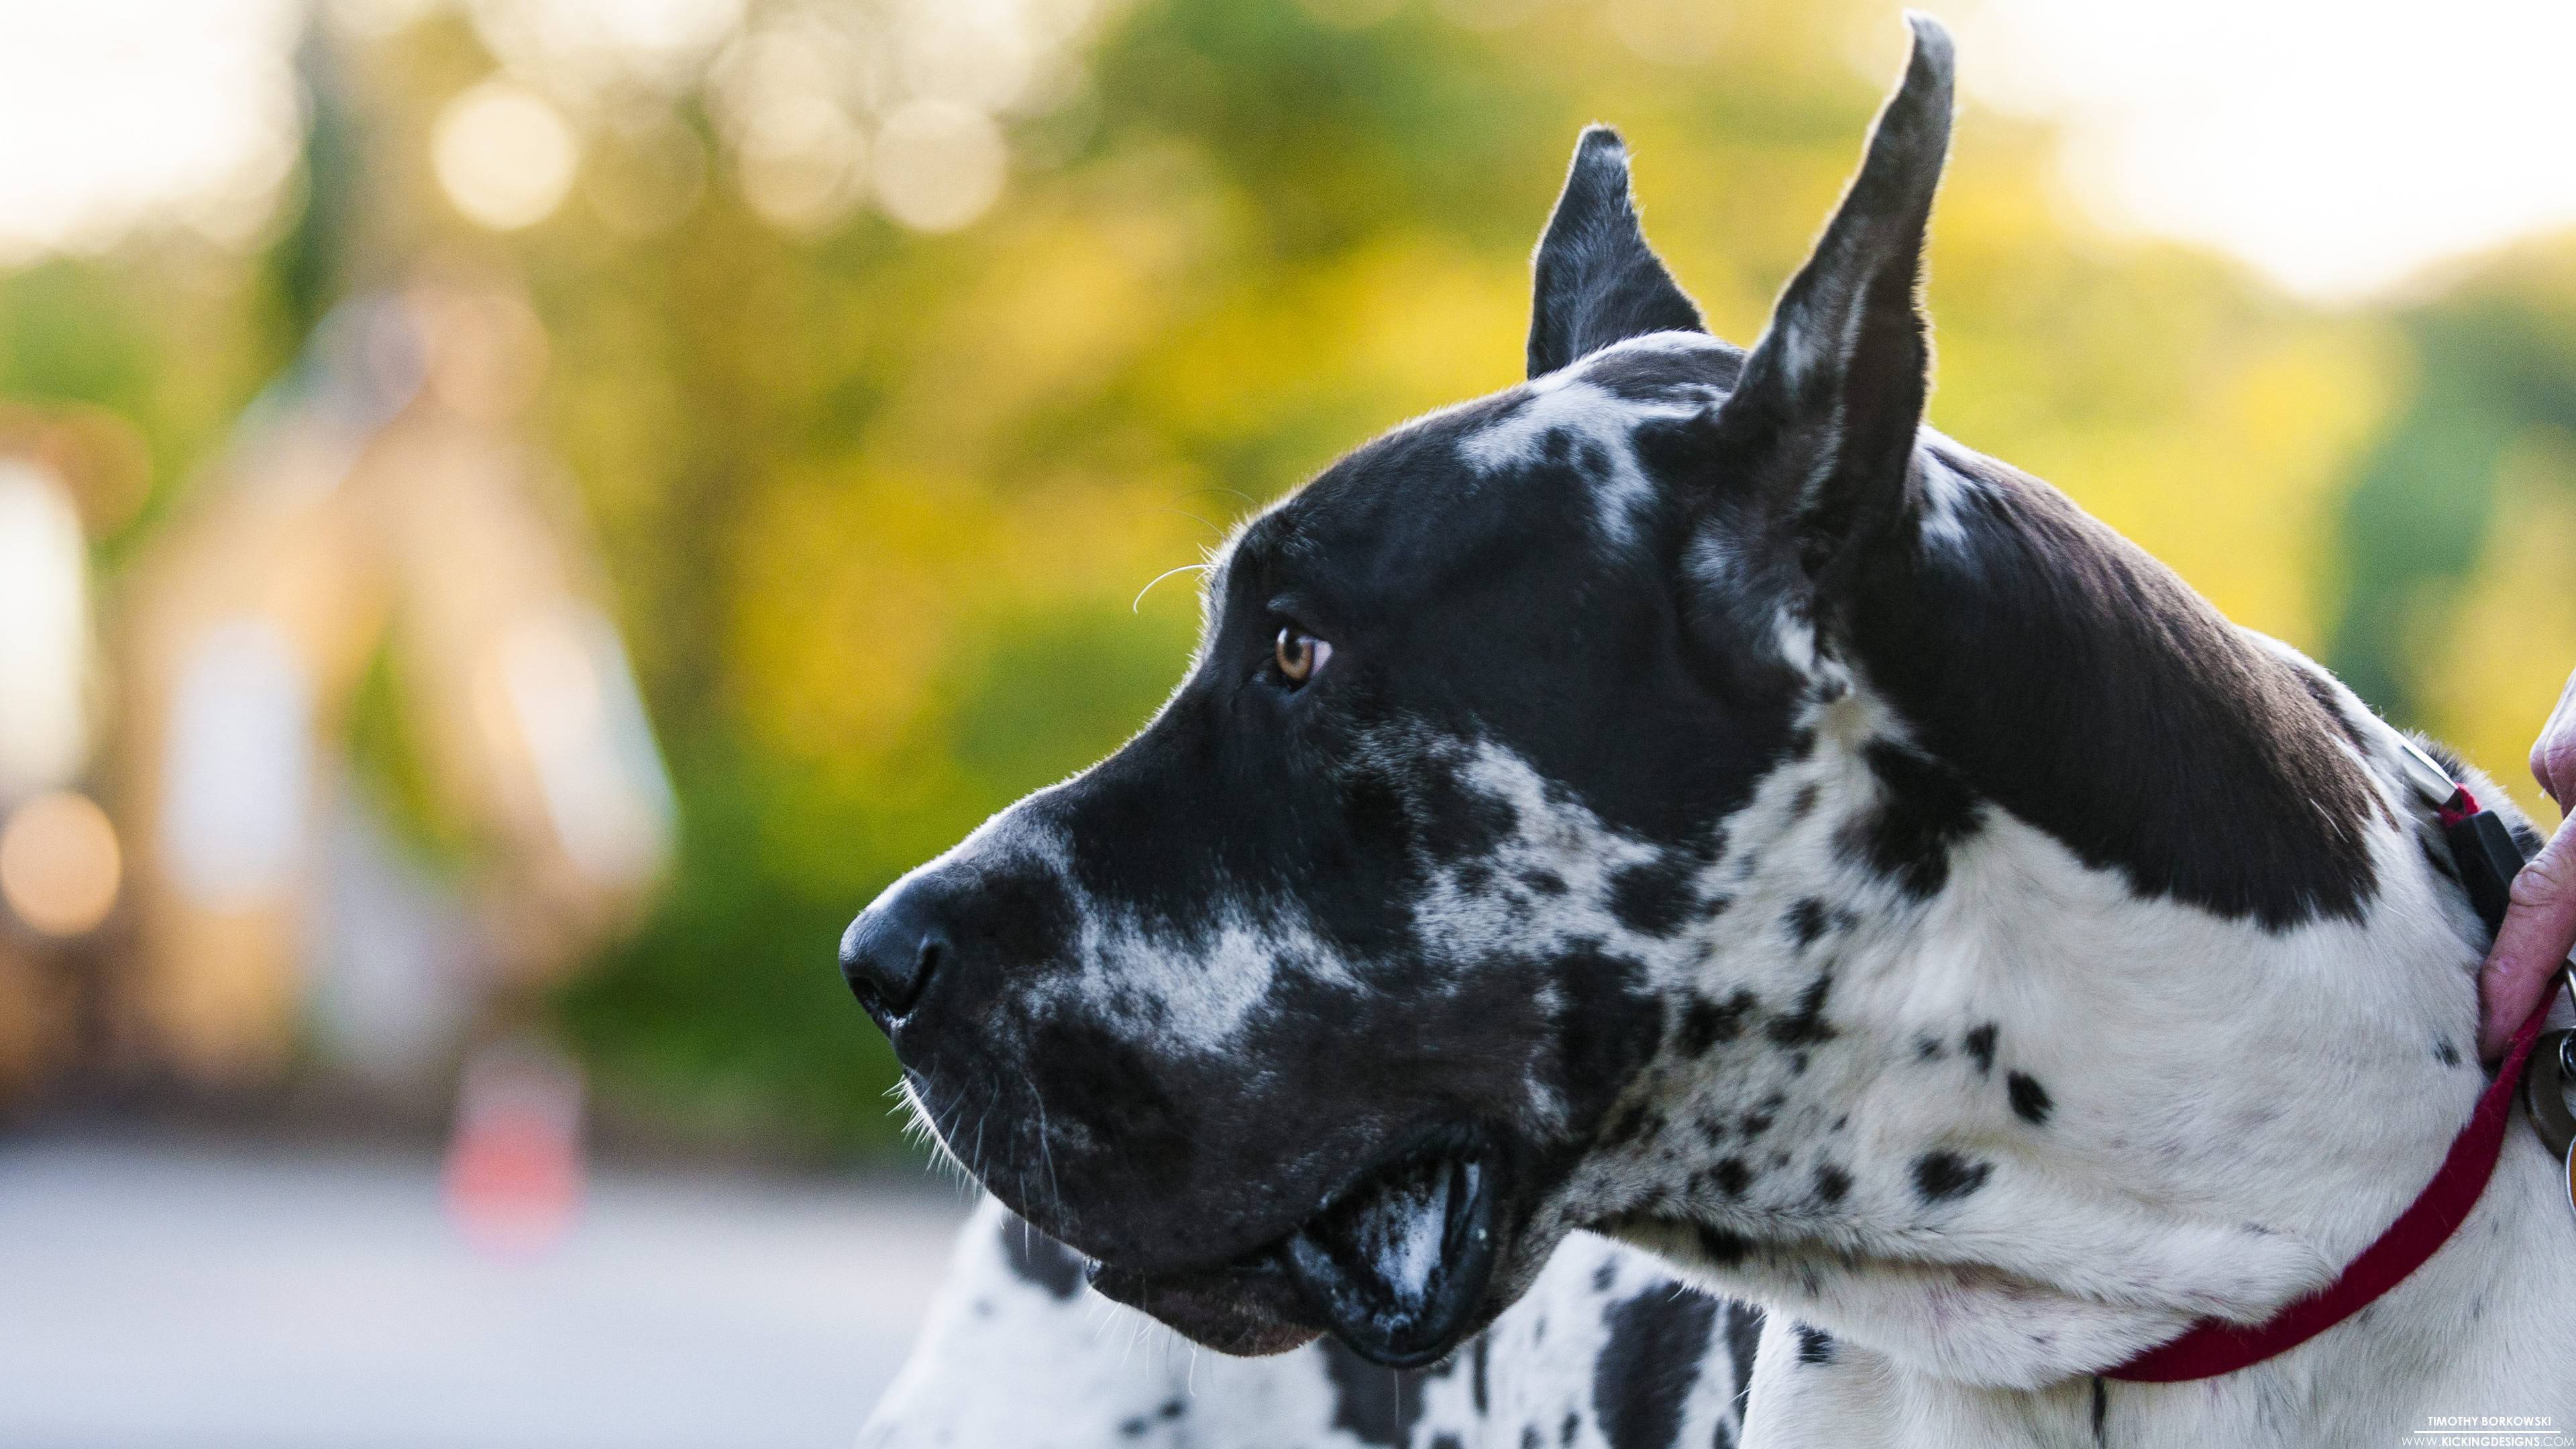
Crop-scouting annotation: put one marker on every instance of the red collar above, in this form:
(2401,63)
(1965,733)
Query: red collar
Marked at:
(2210,1348)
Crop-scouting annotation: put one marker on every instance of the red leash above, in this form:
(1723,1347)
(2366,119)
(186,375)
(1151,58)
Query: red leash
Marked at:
(2210,1348)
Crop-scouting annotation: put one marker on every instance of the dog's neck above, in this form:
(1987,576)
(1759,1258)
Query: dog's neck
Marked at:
(2076,682)
(2089,974)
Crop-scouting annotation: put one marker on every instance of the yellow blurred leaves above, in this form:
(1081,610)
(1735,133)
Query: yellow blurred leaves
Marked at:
(861,598)
(1429,323)
(843,612)
(1405,323)
(1059,310)
(2235,489)
(2210,423)
(912,458)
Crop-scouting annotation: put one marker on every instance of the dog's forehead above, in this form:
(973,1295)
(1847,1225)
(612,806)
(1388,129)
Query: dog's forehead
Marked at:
(1516,460)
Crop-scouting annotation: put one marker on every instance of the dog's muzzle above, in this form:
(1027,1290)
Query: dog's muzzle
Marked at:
(1397,1266)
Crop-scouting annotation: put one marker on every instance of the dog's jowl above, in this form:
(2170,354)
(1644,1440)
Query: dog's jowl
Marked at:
(1605,1351)
(1683,796)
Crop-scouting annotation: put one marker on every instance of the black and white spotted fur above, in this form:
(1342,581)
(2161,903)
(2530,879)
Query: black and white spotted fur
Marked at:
(1608,1350)
(1734,818)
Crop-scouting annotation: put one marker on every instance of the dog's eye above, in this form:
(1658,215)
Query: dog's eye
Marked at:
(1298,655)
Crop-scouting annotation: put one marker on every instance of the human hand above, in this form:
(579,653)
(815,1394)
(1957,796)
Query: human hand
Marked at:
(2540,926)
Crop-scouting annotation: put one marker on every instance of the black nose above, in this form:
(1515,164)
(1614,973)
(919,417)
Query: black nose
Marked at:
(890,951)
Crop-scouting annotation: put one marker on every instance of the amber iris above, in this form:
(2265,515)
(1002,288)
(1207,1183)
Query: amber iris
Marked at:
(1298,655)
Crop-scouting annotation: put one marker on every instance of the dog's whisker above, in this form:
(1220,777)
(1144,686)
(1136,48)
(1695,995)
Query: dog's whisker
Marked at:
(1194,518)
(1137,603)
(1248,500)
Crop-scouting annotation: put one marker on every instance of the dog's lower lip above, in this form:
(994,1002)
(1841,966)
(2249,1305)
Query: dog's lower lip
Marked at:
(1243,1307)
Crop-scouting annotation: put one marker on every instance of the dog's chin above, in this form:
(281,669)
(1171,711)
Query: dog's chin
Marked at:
(1399,1265)
(1247,1309)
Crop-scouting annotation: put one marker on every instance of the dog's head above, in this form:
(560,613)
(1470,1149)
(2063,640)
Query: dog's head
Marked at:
(1310,1007)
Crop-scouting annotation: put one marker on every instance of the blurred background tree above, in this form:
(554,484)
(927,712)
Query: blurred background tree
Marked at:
(897,346)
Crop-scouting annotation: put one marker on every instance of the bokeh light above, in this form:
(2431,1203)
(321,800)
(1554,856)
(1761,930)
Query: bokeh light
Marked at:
(938,165)
(117,115)
(504,154)
(2339,146)
(44,631)
(590,45)
(59,863)
(1669,32)
(976,55)
(803,161)
(238,767)
(644,171)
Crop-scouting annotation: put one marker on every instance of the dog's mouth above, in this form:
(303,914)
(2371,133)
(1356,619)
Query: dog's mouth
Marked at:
(1398,1268)
(1396,1265)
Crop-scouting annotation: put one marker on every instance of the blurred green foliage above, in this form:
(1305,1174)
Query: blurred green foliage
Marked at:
(2458,527)
(877,505)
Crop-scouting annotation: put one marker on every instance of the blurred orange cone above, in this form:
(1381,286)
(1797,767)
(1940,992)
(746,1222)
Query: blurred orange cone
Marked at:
(514,1166)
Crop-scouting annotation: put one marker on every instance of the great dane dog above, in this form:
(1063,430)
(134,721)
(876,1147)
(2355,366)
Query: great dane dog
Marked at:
(1685,798)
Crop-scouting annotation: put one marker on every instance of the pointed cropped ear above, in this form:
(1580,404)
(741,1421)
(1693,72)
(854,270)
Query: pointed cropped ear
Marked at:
(1825,414)
(1596,280)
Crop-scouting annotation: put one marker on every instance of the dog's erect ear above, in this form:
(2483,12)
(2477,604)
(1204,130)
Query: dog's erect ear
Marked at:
(1824,416)
(1595,279)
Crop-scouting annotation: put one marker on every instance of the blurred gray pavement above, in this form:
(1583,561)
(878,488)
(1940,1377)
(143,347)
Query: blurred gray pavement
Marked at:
(220,1297)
